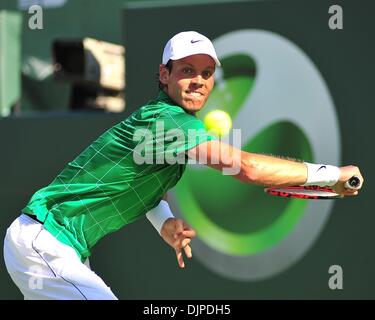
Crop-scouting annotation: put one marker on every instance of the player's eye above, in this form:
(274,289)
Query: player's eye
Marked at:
(206,74)
(188,71)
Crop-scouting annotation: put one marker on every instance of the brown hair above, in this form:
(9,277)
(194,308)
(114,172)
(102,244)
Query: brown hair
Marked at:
(169,68)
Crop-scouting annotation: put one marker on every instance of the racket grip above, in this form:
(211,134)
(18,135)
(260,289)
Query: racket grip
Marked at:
(353,183)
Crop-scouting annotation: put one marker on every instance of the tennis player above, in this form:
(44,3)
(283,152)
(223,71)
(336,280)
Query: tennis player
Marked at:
(126,173)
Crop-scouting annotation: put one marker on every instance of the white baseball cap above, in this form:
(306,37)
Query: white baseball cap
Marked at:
(186,44)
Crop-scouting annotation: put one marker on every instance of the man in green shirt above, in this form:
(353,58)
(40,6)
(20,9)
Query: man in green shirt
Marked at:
(126,174)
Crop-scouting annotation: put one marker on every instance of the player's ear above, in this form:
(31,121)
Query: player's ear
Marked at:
(163,74)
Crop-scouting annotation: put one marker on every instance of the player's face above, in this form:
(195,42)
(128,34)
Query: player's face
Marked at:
(190,82)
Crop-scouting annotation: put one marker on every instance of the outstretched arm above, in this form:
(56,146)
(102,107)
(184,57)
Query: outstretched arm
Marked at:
(269,170)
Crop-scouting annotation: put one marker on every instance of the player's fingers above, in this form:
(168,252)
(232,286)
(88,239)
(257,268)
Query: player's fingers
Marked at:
(185,242)
(189,233)
(188,251)
(180,259)
(181,243)
(349,193)
(352,193)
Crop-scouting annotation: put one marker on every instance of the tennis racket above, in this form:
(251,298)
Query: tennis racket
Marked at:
(311,192)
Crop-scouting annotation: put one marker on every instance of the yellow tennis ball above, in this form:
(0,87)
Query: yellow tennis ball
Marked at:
(218,122)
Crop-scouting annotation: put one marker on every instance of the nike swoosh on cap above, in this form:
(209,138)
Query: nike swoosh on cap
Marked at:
(194,41)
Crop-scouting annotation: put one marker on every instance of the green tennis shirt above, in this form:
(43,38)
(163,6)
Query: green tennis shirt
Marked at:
(120,176)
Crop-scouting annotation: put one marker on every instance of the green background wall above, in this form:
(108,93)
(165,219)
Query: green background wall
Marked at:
(135,262)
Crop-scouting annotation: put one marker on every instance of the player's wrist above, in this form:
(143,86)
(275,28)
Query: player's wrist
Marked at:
(160,214)
(321,175)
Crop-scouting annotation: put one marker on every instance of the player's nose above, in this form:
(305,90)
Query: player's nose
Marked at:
(198,79)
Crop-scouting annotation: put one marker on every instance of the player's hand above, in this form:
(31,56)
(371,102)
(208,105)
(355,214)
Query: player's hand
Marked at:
(345,174)
(178,235)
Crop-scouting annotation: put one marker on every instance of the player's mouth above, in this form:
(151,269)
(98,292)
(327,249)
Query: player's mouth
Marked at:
(195,94)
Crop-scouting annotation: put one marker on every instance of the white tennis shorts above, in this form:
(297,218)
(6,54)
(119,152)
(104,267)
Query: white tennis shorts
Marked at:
(44,268)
